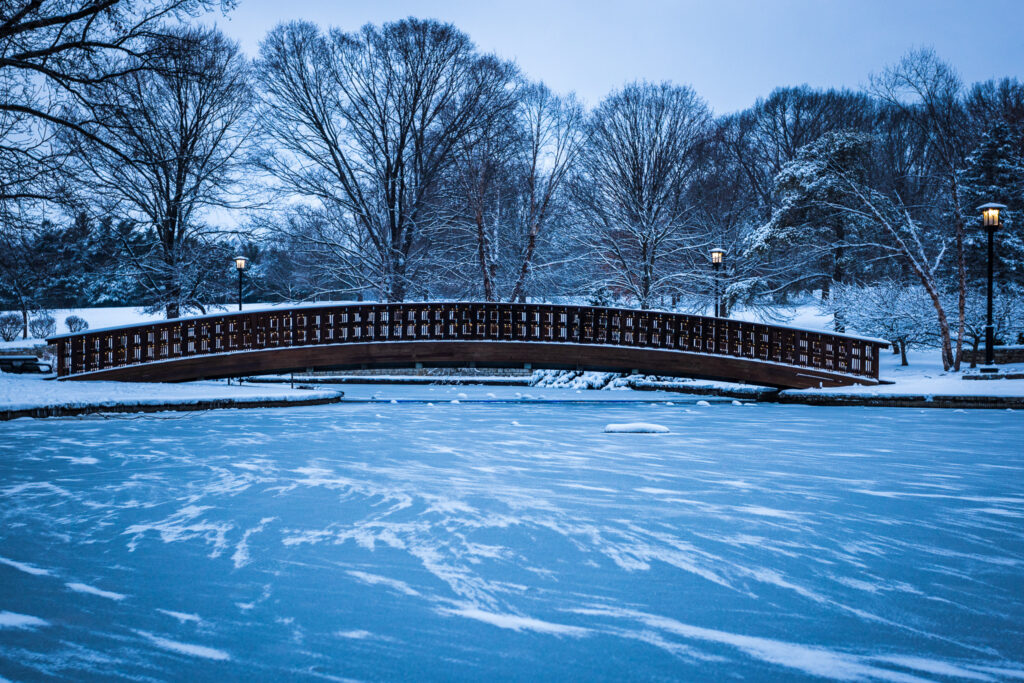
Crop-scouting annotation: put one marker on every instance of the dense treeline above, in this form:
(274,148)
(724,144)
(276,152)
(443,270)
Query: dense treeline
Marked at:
(398,162)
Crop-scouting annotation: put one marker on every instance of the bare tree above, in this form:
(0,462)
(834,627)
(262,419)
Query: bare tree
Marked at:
(508,178)
(839,175)
(631,187)
(929,91)
(890,309)
(164,149)
(24,271)
(50,52)
(361,127)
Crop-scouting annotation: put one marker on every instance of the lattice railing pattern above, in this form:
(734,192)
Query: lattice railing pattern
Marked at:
(541,323)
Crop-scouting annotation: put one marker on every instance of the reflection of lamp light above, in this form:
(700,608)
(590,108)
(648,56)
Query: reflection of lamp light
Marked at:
(717,259)
(240,263)
(990,220)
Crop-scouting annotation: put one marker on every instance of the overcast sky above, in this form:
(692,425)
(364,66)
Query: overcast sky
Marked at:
(730,51)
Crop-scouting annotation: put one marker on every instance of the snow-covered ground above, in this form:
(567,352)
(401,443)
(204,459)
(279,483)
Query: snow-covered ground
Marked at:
(514,541)
(23,392)
(925,376)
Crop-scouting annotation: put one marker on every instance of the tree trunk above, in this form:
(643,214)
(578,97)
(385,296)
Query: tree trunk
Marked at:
(837,277)
(961,271)
(903,354)
(524,270)
(483,252)
(24,321)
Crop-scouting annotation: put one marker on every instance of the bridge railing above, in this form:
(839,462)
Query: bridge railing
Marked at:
(360,323)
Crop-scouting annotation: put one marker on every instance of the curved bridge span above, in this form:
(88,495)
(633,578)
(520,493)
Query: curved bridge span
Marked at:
(451,334)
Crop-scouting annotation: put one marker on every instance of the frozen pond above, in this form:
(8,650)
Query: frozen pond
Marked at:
(509,541)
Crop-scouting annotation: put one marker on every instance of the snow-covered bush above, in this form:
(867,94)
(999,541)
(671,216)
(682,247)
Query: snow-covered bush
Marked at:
(42,325)
(75,324)
(1007,312)
(10,326)
(889,309)
(600,296)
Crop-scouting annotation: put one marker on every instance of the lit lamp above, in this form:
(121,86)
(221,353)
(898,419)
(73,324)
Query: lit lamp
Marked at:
(240,263)
(717,259)
(991,221)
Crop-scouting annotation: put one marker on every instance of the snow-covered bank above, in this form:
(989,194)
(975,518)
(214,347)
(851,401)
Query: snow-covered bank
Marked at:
(27,392)
(923,378)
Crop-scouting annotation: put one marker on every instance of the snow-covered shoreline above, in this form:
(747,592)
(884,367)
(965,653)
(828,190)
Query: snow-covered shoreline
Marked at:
(23,393)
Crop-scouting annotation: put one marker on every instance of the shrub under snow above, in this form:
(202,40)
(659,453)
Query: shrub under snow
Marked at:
(10,326)
(42,325)
(75,324)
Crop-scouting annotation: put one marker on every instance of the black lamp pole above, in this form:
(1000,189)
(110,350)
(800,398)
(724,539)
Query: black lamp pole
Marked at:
(240,263)
(990,219)
(717,266)
(717,258)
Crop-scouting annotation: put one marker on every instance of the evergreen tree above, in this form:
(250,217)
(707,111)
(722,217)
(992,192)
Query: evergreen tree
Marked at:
(995,173)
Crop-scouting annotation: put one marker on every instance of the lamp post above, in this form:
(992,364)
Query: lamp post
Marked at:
(717,259)
(991,221)
(240,263)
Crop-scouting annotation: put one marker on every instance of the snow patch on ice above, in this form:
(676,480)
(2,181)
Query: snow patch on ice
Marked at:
(812,660)
(354,635)
(15,620)
(932,666)
(376,580)
(183,617)
(84,460)
(92,590)
(183,526)
(186,648)
(25,567)
(241,556)
(515,622)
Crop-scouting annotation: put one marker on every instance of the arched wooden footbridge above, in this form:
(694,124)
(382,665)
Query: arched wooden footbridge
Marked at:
(404,335)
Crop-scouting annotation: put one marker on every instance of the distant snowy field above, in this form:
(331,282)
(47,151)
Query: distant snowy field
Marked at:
(509,541)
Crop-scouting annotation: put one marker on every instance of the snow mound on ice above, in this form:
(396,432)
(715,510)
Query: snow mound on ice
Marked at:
(635,428)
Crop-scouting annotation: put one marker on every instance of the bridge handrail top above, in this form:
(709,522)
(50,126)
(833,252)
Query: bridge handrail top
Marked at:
(335,304)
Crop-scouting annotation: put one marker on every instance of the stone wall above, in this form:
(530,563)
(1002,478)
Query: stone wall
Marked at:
(1003,354)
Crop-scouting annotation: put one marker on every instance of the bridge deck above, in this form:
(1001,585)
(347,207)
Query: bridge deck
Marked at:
(463,334)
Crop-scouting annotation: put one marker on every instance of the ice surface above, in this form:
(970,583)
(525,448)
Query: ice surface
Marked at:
(507,540)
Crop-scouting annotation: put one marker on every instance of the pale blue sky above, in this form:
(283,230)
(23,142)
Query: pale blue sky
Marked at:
(730,51)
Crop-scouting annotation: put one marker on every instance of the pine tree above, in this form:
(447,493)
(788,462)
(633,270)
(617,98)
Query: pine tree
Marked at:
(995,173)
